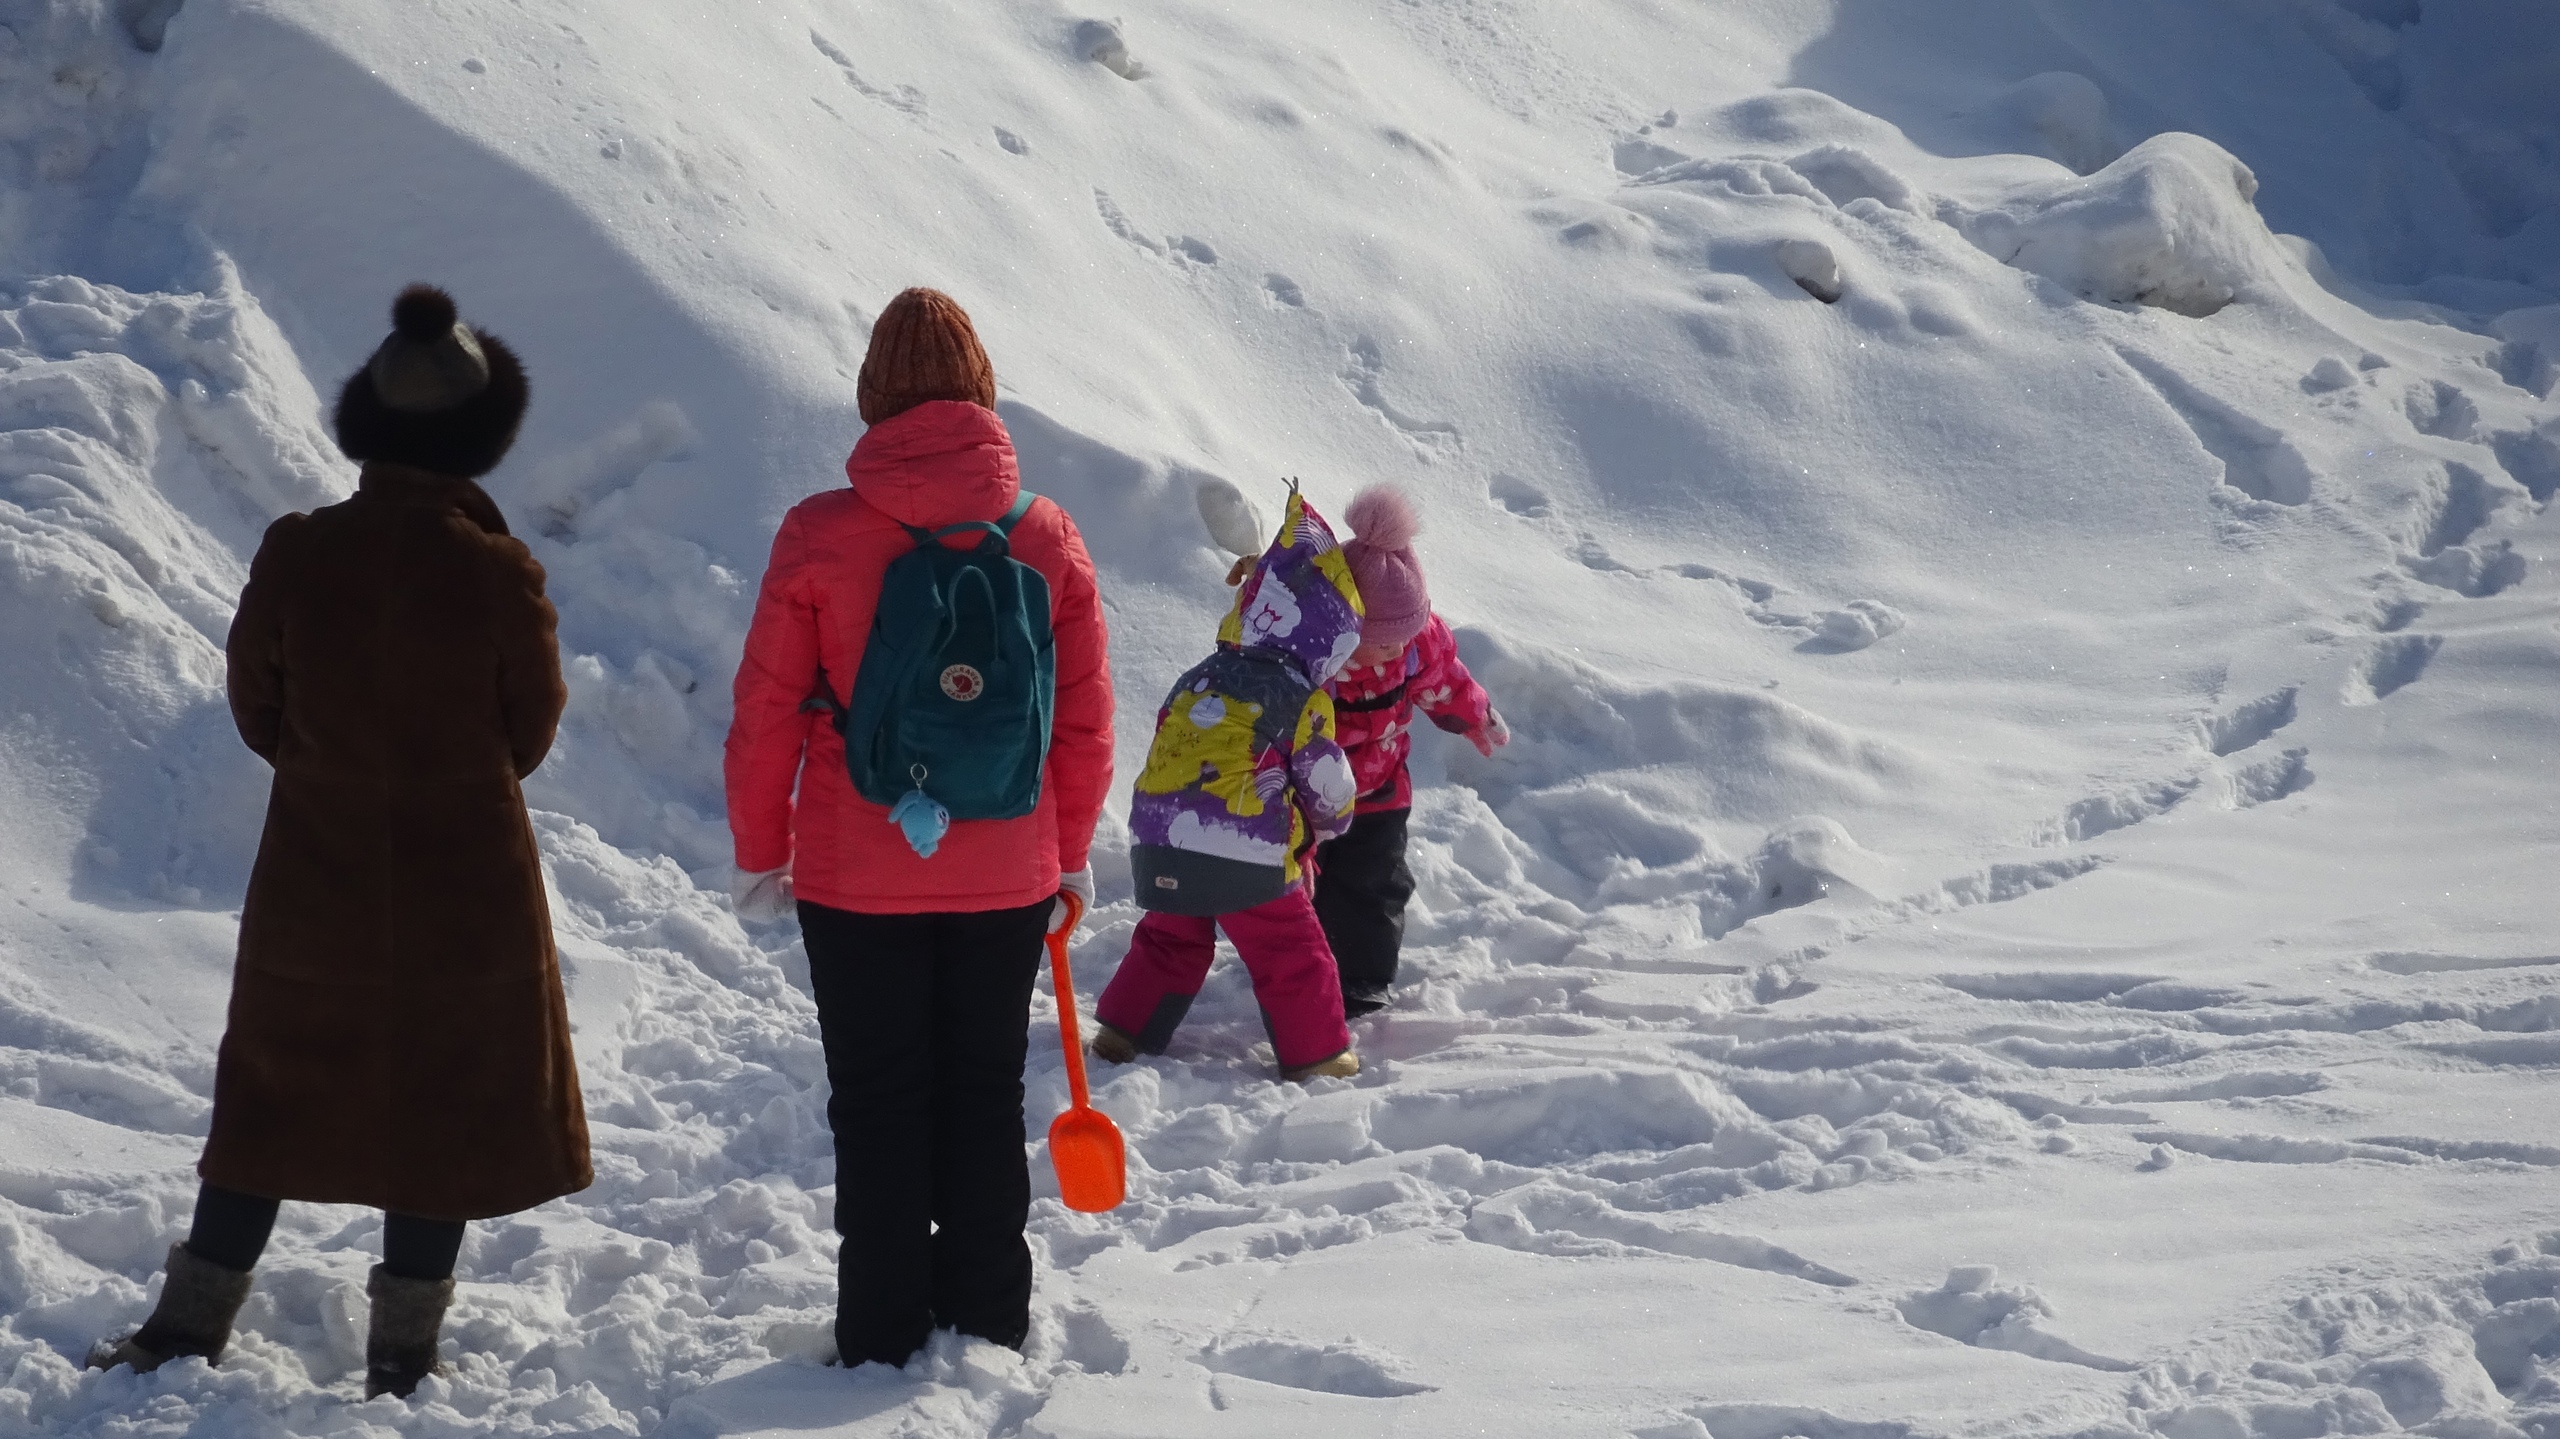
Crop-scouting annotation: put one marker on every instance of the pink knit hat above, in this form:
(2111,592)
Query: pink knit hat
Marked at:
(1395,604)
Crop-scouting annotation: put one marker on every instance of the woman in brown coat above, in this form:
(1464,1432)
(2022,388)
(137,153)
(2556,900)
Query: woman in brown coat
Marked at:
(398,1036)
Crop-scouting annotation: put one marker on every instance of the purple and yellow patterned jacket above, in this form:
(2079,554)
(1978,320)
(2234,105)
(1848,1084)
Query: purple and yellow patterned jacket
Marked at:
(1245,775)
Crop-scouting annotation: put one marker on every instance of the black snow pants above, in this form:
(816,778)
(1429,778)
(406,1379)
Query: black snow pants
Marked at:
(926,1020)
(1362,886)
(231,1229)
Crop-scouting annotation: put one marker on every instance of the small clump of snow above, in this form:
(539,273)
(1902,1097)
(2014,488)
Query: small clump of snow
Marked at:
(1811,264)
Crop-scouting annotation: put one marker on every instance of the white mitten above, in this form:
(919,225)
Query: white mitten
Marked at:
(762,898)
(1234,525)
(1492,735)
(1078,882)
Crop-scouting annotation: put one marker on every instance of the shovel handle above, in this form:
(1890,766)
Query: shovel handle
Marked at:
(1066,988)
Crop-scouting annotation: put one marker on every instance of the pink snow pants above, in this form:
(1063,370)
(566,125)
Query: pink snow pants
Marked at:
(1283,948)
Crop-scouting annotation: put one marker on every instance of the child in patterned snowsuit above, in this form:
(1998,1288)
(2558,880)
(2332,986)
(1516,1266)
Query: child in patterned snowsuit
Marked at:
(1407,661)
(1243,781)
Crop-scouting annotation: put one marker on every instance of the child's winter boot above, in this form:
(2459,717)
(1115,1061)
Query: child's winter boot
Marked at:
(193,1316)
(408,1318)
(1111,1046)
(1341,1066)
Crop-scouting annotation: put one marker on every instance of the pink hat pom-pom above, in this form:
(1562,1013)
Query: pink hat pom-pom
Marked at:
(1382,518)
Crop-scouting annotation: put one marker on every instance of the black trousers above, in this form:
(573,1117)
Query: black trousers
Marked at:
(231,1229)
(1362,886)
(926,1020)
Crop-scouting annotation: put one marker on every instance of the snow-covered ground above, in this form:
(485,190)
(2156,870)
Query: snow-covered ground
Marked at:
(2022,900)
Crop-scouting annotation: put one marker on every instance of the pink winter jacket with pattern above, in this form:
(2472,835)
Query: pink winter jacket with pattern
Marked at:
(1373,708)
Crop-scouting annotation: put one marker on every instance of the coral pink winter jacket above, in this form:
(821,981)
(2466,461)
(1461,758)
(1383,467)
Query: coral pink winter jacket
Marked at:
(944,462)
(1374,705)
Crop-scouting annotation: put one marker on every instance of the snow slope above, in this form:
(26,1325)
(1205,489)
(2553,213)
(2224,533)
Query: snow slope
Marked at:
(2013,537)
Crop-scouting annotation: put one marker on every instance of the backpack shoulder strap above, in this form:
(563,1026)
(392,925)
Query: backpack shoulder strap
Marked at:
(1001,525)
(1021,506)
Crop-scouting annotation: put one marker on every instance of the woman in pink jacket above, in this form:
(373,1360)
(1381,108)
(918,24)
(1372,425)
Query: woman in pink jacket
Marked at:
(922,966)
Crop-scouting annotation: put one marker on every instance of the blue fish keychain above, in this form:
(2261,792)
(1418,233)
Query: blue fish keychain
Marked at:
(921,817)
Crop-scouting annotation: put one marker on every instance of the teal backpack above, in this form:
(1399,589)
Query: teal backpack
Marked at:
(959,678)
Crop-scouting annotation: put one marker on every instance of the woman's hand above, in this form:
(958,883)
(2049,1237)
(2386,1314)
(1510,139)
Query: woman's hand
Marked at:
(1078,882)
(763,897)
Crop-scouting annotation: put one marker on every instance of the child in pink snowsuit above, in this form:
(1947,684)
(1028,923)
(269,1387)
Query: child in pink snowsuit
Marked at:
(1244,779)
(1407,661)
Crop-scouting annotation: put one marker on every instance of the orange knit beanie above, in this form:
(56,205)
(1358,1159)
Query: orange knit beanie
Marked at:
(922,348)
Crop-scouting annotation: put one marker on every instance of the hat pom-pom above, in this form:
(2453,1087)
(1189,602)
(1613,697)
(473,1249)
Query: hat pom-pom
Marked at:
(423,312)
(1382,518)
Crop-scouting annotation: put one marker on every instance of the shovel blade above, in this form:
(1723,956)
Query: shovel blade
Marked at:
(1091,1160)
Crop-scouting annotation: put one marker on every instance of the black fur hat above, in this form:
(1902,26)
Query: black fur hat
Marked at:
(437,394)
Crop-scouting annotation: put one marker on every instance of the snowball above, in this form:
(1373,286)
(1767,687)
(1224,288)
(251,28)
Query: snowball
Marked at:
(1234,524)
(1811,264)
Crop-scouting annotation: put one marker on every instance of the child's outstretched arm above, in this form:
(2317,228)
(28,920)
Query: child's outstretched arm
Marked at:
(1443,690)
(1320,774)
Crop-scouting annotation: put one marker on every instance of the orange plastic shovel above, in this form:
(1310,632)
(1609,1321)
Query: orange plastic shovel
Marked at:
(1085,1146)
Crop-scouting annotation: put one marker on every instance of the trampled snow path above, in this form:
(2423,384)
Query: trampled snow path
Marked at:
(2019,904)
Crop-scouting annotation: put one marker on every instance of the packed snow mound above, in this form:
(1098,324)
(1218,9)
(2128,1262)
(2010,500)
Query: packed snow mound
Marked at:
(2066,112)
(145,443)
(2170,224)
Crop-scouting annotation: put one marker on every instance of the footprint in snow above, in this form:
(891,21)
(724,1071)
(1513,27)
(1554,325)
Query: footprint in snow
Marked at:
(1771,1421)
(2404,963)
(2253,456)
(2251,723)
(1183,250)
(2456,507)
(1347,1368)
(905,99)
(1852,627)
(1362,375)
(1998,884)
(1091,1343)
(2247,1084)
(2118,808)
(2438,409)
(2393,616)
(2066,987)
(2270,779)
(1101,42)
(2390,666)
(1974,1308)
(1519,497)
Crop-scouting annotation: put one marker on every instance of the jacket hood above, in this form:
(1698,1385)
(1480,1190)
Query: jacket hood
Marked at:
(1300,598)
(945,462)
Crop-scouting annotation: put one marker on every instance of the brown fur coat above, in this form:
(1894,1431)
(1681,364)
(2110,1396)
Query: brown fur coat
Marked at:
(398,1037)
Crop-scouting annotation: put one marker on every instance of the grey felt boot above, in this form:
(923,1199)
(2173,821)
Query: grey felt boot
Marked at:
(193,1316)
(408,1318)
(1111,1046)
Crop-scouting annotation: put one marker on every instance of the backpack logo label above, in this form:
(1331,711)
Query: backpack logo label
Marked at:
(963,683)
(1166,881)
